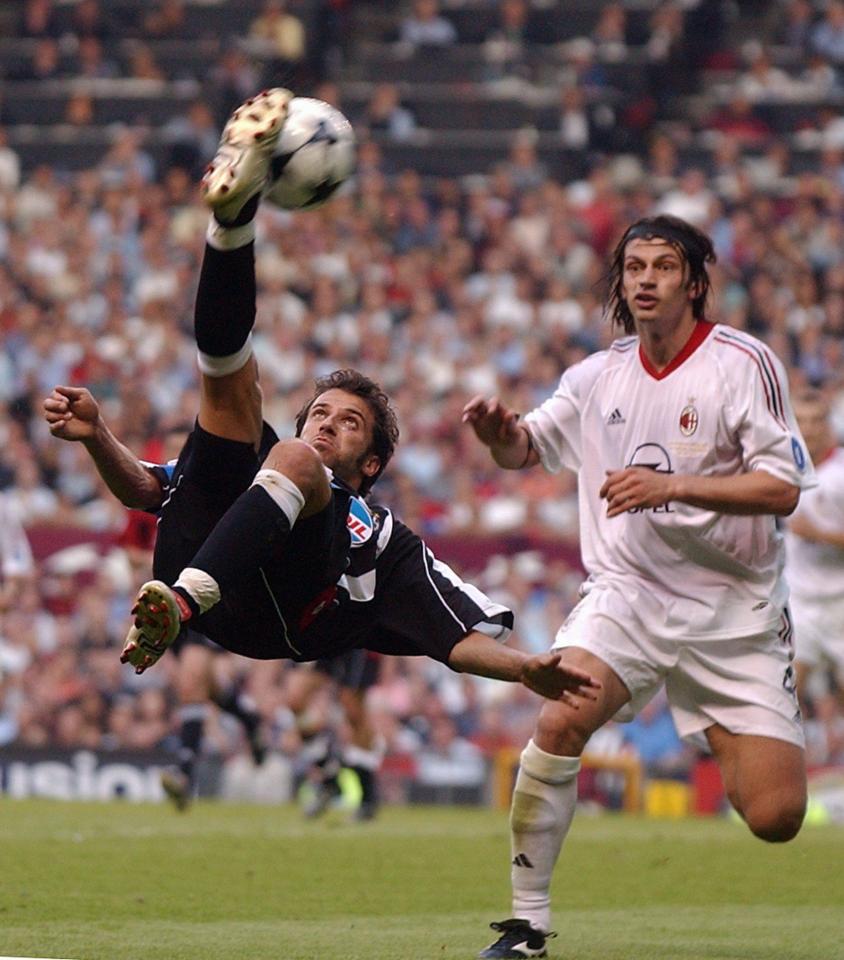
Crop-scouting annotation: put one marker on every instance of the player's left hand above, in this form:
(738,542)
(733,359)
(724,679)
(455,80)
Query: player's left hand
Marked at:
(635,487)
(548,676)
(804,528)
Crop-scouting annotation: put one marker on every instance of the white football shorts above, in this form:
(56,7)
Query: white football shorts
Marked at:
(819,631)
(745,684)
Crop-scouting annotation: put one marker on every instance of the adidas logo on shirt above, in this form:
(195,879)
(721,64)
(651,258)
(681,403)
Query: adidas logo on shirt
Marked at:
(615,418)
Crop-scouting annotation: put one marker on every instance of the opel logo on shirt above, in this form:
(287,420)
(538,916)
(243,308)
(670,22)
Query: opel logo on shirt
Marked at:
(653,456)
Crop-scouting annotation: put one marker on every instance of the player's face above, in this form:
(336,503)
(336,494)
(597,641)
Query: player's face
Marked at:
(655,283)
(813,420)
(339,427)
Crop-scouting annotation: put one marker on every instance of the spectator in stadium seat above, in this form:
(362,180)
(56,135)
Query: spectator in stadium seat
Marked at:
(815,552)
(657,522)
(827,37)
(38,19)
(168,18)
(44,64)
(279,33)
(426,27)
(10,164)
(795,28)
(385,113)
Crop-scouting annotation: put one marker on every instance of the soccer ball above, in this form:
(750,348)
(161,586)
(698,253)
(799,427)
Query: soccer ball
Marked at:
(315,155)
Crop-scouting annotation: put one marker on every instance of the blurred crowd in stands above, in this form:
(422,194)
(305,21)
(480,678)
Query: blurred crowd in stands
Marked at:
(438,287)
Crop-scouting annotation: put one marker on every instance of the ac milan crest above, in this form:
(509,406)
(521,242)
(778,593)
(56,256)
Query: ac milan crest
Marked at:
(688,420)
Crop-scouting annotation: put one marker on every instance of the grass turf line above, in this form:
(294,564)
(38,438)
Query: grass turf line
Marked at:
(136,882)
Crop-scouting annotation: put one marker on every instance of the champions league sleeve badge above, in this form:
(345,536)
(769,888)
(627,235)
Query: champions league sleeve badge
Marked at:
(799,454)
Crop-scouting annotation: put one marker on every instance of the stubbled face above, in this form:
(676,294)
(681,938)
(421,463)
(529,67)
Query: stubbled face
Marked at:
(813,420)
(339,427)
(655,282)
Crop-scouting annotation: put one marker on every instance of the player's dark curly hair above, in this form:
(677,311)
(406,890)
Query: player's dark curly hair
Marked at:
(385,430)
(693,245)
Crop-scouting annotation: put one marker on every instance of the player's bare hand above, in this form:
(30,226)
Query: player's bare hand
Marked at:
(635,487)
(547,675)
(804,528)
(72,413)
(493,423)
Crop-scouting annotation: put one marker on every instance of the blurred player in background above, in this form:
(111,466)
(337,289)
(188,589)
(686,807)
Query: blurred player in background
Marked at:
(815,551)
(686,450)
(145,488)
(325,751)
(16,561)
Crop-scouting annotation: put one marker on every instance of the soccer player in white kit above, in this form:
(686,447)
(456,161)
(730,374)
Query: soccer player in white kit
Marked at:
(686,449)
(814,550)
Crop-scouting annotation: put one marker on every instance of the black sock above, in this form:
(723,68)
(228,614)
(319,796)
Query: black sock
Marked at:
(190,740)
(224,313)
(234,704)
(368,786)
(246,537)
(250,208)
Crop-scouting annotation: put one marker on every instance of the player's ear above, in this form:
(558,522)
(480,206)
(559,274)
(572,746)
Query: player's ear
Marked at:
(371,465)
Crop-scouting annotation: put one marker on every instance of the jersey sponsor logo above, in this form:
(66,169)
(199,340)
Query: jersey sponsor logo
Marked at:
(655,457)
(689,420)
(359,522)
(798,453)
(615,418)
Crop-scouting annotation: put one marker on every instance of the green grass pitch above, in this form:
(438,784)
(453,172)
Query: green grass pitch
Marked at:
(136,882)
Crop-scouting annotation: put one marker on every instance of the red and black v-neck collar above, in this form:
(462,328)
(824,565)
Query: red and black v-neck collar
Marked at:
(701,331)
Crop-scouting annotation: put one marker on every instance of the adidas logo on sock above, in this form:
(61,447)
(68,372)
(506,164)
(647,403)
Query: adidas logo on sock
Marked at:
(521,860)
(615,418)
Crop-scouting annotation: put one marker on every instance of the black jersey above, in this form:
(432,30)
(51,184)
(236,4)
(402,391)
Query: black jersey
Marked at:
(351,576)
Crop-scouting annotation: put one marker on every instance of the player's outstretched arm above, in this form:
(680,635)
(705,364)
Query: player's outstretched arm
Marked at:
(747,494)
(545,674)
(73,414)
(498,428)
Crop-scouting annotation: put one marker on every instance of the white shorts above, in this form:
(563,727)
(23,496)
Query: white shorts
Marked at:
(819,631)
(744,684)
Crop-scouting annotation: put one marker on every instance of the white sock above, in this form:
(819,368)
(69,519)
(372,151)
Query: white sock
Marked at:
(540,816)
(229,238)
(201,586)
(283,491)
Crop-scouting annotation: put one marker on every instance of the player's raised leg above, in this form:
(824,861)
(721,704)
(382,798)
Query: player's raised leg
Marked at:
(543,805)
(230,395)
(765,780)
(230,398)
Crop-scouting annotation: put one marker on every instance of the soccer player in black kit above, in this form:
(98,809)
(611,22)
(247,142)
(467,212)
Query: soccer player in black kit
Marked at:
(270,547)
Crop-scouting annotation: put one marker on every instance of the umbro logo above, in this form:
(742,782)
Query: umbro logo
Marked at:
(615,418)
(521,860)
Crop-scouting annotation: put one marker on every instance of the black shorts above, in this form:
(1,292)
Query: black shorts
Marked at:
(354,669)
(262,617)
(191,638)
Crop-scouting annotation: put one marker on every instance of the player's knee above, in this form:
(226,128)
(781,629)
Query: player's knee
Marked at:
(776,822)
(299,462)
(561,731)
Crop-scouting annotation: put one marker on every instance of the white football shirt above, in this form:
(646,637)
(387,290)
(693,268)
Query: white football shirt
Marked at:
(719,409)
(816,570)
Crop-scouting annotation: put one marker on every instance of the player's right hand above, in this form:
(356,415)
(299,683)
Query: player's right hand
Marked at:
(549,676)
(72,413)
(493,423)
